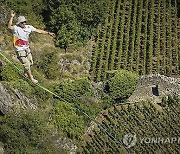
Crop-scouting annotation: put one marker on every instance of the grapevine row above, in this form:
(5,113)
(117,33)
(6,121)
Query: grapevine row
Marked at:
(140,36)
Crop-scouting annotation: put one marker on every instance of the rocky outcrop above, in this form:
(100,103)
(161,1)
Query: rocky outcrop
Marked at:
(3,13)
(154,87)
(12,99)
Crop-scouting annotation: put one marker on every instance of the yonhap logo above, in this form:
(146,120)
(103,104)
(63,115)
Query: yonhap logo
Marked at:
(130,140)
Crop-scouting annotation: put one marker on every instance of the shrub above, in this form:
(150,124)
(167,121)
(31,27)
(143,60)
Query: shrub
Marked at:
(49,65)
(64,117)
(121,85)
(8,73)
(23,86)
(80,93)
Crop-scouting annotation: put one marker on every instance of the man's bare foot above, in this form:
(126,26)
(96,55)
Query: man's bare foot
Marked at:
(30,76)
(34,80)
(25,74)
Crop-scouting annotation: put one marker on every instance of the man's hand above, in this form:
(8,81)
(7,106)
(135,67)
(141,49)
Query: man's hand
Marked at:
(11,20)
(13,13)
(44,32)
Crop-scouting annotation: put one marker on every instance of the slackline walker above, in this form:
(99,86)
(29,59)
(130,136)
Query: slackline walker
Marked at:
(21,31)
(101,126)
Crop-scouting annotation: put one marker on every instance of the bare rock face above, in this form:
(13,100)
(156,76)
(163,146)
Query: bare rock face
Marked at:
(12,99)
(154,87)
(4,11)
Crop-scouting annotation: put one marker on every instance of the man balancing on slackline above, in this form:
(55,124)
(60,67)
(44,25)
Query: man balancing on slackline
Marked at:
(21,33)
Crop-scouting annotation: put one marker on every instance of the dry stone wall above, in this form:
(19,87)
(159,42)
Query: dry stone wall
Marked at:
(154,87)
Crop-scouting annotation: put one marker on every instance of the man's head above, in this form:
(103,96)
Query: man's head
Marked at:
(21,21)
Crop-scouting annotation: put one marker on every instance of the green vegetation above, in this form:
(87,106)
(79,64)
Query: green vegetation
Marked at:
(49,65)
(29,8)
(74,21)
(121,85)
(26,132)
(138,37)
(16,80)
(8,73)
(80,93)
(65,118)
(144,119)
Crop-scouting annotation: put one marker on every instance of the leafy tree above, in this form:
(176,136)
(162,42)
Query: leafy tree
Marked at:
(92,12)
(74,21)
(32,9)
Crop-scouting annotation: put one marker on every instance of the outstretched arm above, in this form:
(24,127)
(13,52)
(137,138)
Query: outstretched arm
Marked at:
(11,20)
(44,32)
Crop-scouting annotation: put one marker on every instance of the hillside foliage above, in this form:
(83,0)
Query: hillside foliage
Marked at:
(74,21)
(26,132)
(29,8)
(129,38)
(65,119)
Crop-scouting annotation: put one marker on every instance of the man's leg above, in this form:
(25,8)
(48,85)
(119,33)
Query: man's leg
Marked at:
(22,56)
(29,74)
(29,57)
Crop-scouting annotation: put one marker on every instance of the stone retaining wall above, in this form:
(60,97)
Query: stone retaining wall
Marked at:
(154,87)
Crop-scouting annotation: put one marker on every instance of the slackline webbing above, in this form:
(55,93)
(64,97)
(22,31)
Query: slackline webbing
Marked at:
(101,126)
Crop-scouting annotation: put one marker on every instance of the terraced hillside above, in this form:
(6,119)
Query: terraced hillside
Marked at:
(138,35)
(153,128)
